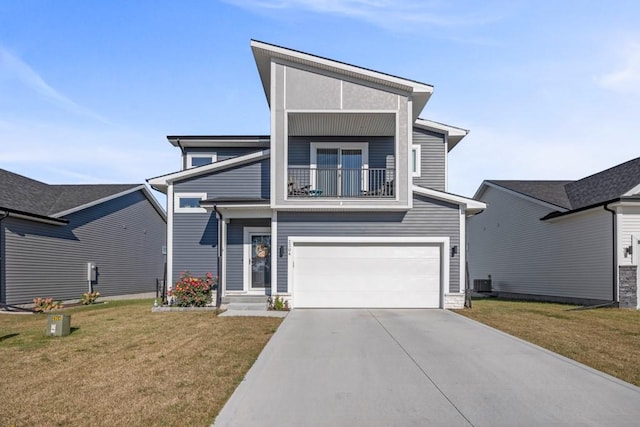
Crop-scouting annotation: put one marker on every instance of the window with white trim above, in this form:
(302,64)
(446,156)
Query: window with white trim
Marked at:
(338,168)
(200,159)
(415,160)
(188,202)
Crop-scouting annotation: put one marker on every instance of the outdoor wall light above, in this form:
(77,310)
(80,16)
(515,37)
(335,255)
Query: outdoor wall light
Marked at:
(281,251)
(628,251)
(454,251)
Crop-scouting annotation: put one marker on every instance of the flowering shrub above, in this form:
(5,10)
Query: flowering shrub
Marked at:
(89,297)
(192,291)
(45,304)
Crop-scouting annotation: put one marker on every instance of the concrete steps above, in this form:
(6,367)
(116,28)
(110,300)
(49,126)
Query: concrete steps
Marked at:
(246,302)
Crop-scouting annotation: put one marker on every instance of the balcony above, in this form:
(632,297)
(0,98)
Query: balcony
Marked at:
(341,183)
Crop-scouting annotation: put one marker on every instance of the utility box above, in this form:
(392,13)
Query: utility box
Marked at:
(58,325)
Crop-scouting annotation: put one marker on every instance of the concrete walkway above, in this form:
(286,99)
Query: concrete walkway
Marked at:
(418,367)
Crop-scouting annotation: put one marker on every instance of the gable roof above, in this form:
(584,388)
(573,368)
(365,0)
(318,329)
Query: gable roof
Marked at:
(161,182)
(265,52)
(41,201)
(454,134)
(611,184)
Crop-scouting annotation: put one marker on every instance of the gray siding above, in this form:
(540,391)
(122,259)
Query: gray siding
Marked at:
(196,234)
(569,257)
(222,153)
(249,180)
(195,244)
(428,218)
(433,159)
(235,250)
(124,237)
(379,149)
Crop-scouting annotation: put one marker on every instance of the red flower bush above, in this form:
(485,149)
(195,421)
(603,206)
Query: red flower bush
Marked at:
(192,291)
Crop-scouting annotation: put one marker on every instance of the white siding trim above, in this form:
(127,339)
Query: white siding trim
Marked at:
(274,255)
(222,241)
(178,196)
(246,255)
(273,139)
(190,156)
(462,249)
(417,148)
(170,237)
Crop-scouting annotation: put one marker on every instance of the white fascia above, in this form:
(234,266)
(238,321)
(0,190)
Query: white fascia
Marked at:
(140,187)
(487,184)
(454,134)
(471,206)
(161,182)
(633,192)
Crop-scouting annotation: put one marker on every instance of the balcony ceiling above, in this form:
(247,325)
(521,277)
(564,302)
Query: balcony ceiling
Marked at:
(342,124)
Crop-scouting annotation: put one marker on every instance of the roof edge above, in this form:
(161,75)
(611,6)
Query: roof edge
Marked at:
(471,206)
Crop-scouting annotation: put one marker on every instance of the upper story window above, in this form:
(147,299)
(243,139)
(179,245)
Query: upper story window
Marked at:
(415,160)
(188,202)
(200,159)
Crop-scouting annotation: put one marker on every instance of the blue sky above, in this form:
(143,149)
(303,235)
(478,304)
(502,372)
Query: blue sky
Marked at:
(89,90)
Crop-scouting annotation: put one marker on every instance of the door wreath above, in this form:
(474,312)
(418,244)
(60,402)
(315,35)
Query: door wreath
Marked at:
(262,250)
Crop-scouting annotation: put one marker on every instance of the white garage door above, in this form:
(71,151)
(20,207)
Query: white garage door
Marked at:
(366,275)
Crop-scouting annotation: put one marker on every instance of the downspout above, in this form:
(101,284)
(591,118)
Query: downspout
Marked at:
(219,285)
(5,214)
(614,297)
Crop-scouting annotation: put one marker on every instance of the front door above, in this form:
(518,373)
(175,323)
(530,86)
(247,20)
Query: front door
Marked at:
(257,259)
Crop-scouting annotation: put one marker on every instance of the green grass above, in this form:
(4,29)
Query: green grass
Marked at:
(607,339)
(124,365)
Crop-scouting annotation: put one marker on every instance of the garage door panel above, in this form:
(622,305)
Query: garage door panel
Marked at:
(367,275)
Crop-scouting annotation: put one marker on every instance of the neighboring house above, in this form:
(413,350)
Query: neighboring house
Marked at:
(344,204)
(50,233)
(574,241)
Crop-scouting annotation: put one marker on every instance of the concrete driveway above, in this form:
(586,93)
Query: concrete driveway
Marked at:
(418,367)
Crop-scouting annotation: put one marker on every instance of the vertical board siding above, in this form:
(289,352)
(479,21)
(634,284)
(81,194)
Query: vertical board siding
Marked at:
(569,257)
(235,250)
(433,159)
(196,234)
(123,236)
(428,218)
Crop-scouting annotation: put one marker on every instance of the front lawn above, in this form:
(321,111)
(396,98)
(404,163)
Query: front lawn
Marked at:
(123,365)
(607,339)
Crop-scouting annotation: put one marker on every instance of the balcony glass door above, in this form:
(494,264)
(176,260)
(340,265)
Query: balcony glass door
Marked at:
(339,172)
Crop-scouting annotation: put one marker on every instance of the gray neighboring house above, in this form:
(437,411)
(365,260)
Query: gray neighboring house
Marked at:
(571,241)
(344,204)
(50,233)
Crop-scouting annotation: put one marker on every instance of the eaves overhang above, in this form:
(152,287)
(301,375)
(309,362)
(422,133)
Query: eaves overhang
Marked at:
(209,141)
(264,53)
(618,201)
(13,213)
(470,206)
(488,184)
(454,134)
(162,182)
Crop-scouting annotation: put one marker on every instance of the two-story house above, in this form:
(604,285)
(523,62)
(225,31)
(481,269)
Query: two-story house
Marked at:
(344,204)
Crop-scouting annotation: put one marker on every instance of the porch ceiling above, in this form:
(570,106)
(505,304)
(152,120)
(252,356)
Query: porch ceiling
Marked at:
(342,124)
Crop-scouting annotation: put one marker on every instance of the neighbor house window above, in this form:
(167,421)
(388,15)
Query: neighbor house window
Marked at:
(200,159)
(188,202)
(415,160)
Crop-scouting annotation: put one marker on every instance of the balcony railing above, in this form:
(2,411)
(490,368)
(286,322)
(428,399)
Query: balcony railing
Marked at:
(341,182)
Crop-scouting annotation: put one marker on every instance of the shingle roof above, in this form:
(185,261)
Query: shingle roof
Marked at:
(27,195)
(595,189)
(547,191)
